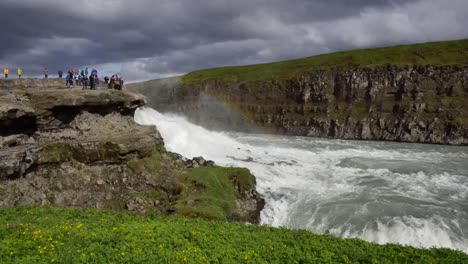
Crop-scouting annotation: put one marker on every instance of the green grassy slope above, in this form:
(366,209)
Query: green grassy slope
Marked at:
(210,193)
(55,235)
(435,53)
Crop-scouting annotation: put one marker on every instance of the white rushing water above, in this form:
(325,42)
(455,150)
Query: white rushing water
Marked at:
(384,192)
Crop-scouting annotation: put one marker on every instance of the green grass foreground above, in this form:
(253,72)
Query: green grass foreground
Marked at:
(56,235)
(444,53)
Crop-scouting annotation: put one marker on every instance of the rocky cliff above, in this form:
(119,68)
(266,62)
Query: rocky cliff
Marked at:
(425,104)
(407,93)
(81,148)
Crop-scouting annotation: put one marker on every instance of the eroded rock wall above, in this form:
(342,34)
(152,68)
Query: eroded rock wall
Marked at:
(409,104)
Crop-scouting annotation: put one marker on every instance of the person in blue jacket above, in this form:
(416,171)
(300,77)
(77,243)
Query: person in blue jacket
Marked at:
(69,79)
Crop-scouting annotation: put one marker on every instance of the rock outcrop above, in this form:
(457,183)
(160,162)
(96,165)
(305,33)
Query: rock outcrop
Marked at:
(422,104)
(81,148)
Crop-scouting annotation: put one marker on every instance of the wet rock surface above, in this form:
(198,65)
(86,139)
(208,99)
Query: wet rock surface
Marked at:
(199,162)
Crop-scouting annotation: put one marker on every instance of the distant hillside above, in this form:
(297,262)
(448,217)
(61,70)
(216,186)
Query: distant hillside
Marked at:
(408,93)
(435,53)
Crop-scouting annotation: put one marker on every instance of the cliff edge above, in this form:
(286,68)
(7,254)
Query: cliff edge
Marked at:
(81,148)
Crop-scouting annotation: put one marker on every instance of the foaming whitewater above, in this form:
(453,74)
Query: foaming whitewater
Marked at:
(410,194)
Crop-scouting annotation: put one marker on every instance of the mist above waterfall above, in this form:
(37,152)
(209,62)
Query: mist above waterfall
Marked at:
(198,107)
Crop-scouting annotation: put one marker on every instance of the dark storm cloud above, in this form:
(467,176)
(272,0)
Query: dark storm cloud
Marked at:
(146,38)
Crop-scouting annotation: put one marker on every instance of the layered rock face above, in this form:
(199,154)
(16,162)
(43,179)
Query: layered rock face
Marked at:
(409,104)
(81,148)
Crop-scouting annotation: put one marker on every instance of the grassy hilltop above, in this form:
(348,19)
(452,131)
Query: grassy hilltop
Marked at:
(434,53)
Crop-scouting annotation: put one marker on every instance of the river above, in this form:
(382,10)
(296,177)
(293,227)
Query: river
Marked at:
(385,192)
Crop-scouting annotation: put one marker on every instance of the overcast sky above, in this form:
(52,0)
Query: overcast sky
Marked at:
(146,39)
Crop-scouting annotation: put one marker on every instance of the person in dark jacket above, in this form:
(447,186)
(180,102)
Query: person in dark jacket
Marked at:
(84,81)
(111,82)
(60,74)
(121,83)
(91,82)
(106,81)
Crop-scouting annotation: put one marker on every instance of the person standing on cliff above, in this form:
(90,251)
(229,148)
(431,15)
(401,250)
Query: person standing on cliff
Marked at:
(6,71)
(46,72)
(111,82)
(60,74)
(20,72)
(106,81)
(69,79)
(84,82)
(91,81)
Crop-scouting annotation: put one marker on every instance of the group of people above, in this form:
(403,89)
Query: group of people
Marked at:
(6,72)
(80,78)
(114,82)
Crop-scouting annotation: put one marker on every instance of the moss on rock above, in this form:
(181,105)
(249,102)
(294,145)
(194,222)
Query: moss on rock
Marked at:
(151,164)
(55,153)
